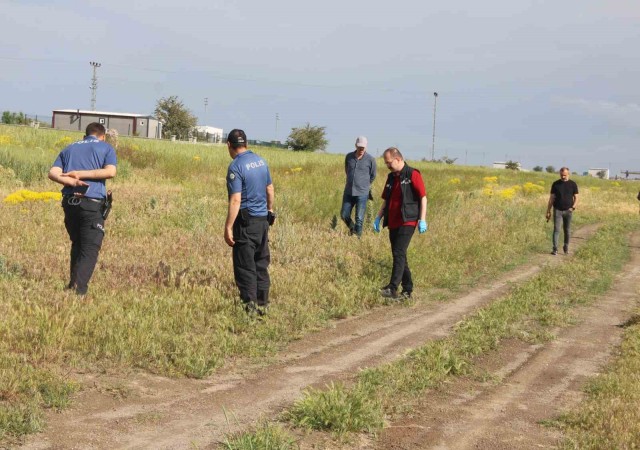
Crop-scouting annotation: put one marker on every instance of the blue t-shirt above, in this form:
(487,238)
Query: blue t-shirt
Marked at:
(249,175)
(88,154)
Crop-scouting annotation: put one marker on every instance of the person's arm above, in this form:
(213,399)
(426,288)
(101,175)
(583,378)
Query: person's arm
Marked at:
(232,214)
(107,172)
(423,208)
(271,195)
(552,198)
(381,211)
(55,174)
(575,201)
(374,170)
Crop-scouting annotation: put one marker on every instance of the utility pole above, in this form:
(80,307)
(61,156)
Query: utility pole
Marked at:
(277,119)
(206,102)
(94,84)
(433,142)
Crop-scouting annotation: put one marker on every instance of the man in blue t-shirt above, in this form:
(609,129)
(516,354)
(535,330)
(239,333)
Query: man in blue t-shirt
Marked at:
(249,216)
(82,169)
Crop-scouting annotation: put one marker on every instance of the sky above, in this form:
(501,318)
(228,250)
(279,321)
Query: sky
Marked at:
(536,81)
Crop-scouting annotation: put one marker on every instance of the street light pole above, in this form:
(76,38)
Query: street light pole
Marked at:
(277,119)
(206,102)
(433,141)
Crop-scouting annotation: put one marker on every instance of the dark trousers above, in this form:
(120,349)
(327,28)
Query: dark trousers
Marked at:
(85,226)
(400,239)
(561,219)
(251,258)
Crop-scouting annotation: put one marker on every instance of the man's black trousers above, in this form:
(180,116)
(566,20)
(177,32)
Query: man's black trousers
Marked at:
(400,239)
(251,259)
(85,225)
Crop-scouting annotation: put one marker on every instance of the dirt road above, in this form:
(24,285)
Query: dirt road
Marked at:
(535,383)
(155,412)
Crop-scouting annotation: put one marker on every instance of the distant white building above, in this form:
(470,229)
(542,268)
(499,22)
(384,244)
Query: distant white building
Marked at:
(503,165)
(595,173)
(211,134)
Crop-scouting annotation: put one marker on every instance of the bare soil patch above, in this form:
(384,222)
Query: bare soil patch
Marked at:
(144,411)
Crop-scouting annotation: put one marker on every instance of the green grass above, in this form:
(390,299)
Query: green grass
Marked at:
(163,298)
(528,312)
(609,417)
(265,437)
(338,409)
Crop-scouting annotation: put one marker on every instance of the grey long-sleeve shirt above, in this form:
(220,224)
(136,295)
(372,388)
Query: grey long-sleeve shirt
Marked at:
(360,173)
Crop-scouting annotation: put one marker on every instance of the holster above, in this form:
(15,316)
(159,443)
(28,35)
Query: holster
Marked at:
(106,207)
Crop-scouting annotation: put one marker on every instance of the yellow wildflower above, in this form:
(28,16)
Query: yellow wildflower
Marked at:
(5,140)
(25,195)
(454,181)
(196,158)
(62,143)
(296,169)
(532,189)
(507,194)
(490,180)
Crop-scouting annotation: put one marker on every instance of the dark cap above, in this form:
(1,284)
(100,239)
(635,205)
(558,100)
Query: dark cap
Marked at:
(237,137)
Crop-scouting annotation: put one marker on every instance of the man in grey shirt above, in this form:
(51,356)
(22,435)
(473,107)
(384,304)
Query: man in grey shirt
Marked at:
(360,168)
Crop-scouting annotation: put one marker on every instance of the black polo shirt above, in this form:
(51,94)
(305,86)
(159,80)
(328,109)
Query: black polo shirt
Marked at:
(563,192)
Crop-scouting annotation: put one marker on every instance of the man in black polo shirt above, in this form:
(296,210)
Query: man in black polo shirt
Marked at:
(563,199)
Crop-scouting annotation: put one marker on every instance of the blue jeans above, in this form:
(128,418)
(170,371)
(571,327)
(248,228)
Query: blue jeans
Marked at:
(348,202)
(561,219)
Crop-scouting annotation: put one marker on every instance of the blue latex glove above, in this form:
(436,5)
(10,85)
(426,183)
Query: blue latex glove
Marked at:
(376,224)
(422,226)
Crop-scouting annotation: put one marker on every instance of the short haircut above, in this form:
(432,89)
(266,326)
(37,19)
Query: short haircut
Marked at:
(394,152)
(237,139)
(562,169)
(95,129)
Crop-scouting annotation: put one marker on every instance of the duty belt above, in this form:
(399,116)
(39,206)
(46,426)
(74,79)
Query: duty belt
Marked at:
(75,200)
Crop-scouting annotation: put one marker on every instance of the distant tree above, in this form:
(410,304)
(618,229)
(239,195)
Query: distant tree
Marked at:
(175,117)
(538,169)
(512,165)
(444,160)
(601,174)
(14,118)
(307,138)
(550,169)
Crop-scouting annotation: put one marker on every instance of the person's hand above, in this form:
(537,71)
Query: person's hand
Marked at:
(548,216)
(422,226)
(228,237)
(73,174)
(74,182)
(376,224)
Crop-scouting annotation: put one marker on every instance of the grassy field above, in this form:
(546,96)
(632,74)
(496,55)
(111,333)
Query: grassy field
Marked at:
(163,297)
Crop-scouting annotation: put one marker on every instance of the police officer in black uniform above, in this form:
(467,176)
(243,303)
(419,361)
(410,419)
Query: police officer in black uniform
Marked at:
(82,169)
(249,216)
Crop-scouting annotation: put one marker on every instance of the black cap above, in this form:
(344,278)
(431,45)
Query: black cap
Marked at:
(237,137)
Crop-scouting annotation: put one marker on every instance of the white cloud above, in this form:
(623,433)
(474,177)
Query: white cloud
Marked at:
(627,115)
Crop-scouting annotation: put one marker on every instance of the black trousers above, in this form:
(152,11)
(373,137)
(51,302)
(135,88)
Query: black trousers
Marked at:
(251,258)
(85,225)
(400,239)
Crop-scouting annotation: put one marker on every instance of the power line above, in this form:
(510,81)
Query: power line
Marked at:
(212,74)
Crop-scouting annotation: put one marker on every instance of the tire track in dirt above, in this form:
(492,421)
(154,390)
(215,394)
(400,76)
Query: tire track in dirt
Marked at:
(539,381)
(177,414)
